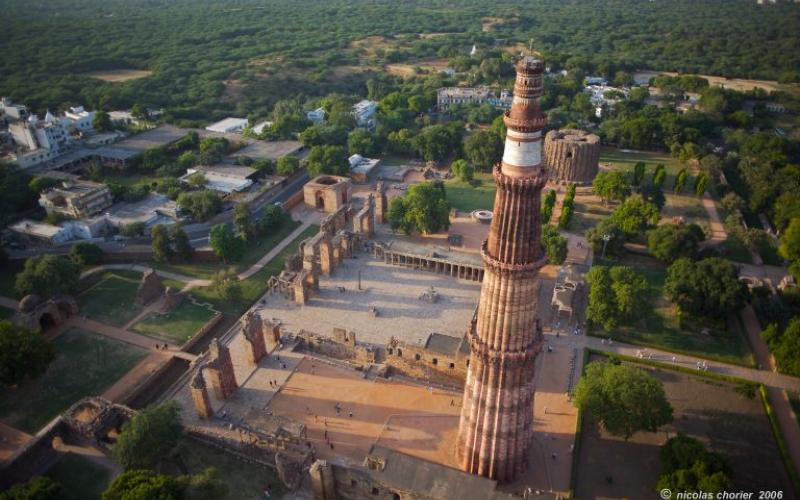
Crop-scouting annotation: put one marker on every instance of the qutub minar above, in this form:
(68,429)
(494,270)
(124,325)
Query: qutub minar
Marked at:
(495,432)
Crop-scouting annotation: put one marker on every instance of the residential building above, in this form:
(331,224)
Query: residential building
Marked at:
(228,125)
(39,233)
(364,111)
(12,112)
(80,118)
(76,199)
(38,140)
(448,96)
(316,116)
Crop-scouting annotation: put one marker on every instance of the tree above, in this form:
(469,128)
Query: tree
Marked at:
(197,180)
(700,184)
(709,287)
(638,173)
(38,488)
(84,253)
(23,354)
(616,295)
(555,245)
(732,202)
(546,212)
(464,171)
(139,112)
(424,208)
(39,184)
(202,205)
(331,160)
(363,143)
(785,346)
(659,176)
(162,250)
(15,193)
(287,165)
(789,248)
(669,242)
(635,215)
(143,484)
(653,195)
(272,217)
(133,229)
(226,245)
(47,275)
(622,398)
(436,142)
(680,181)
(227,286)
(611,186)
(607,239)
(483,149)
(102,122)
(565,216)
(180,243)
(149,436)
(241,219)
(687,466)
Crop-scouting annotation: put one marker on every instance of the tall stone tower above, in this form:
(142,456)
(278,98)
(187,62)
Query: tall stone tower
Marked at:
(497,414)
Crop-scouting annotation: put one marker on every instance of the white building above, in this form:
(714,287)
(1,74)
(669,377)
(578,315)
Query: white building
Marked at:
(361,167)
(259,128)
(223,178)
(364,111)
(228,125)
(38,141)
(448,96)
(80,118)
(316,116)
(11,111)
(597,95)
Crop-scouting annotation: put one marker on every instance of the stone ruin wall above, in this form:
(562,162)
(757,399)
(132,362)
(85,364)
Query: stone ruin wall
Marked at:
(572,155)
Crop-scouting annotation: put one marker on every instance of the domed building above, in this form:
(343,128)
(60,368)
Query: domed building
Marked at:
(572,155)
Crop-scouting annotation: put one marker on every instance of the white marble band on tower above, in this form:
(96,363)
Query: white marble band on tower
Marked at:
(523,149)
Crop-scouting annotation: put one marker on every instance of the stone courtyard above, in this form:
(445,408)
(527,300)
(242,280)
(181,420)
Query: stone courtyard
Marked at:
(394,293)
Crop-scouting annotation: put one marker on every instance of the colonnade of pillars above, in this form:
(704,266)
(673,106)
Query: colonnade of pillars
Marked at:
(461,271)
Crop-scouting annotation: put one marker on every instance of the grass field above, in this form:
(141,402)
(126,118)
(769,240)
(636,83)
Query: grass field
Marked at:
(255,285)
(111,300)
(244,480)
(119,75)
(254,251)
(727,419)
(81,478)
(176,326)
(469,196)
(624,161)
(86,365)
(658,327)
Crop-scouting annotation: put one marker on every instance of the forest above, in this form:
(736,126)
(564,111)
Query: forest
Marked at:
(210,59)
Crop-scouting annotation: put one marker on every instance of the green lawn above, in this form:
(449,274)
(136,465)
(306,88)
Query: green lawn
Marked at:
(256,285)
(111,299)
(587,215)
(86,365)
(174,284)
(469,196)
(255,250)
(81,478)
(176,326)
(244,480)
(658,327)
(625,162)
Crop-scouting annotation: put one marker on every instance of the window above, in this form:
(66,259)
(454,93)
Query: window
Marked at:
(435,361)
(416,357)
(399,353)
(452,365)
(353,483)
(375,491)
(467,363)
(389,350)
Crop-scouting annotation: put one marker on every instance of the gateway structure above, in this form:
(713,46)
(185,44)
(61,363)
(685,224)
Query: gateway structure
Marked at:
(495,429)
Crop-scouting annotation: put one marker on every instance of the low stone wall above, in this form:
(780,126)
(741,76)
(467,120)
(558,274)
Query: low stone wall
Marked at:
(198,336)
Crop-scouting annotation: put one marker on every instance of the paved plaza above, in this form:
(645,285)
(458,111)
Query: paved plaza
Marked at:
(392,292)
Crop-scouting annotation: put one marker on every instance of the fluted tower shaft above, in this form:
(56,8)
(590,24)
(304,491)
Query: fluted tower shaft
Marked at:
(505,336)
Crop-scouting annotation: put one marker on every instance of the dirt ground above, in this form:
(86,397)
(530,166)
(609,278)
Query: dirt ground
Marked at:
(119,75)
(408,418)
(724,419)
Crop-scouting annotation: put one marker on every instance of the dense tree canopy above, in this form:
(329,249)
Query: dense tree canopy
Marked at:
(226,244)
(611,186)
(616,295)
(635,215)
(483,149)
(672,241)
(785,346)
(330,160)
(47,275)
(38,488)
(84,253)
(687,466)
(622,398)
(423,208)
(148,436)
(23,353)
(709,287)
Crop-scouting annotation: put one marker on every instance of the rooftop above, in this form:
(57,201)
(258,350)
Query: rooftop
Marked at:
(228,124)
(34,228)
(271,150)
(446,344)
(157,137)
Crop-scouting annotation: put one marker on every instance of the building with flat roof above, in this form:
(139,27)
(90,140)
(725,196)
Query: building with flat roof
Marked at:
(12,112)
(38,140)
(223,178)
(364,111)
(361,167)
(228,125)
(327,192)
(76,199)
(38,233)
(270,150)
(80,119)
(316,116)
(448,96)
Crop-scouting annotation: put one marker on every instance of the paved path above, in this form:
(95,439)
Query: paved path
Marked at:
(718,234)
(9,303)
